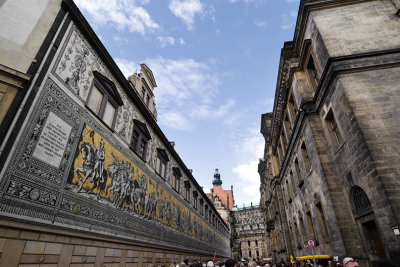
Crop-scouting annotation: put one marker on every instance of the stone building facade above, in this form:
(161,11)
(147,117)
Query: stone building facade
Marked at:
(330,170)
(222,199)
(248,233)
(87,176)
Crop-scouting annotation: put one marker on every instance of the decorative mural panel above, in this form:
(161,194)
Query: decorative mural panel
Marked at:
(74,67)
(70,170)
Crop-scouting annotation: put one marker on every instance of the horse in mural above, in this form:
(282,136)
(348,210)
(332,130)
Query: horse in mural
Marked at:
(88,171)
(151,203)
(138,195)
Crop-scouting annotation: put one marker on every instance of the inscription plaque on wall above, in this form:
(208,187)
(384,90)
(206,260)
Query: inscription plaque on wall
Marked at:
(53,140)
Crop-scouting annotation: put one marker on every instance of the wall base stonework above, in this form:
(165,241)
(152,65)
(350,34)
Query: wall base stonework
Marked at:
(28,245)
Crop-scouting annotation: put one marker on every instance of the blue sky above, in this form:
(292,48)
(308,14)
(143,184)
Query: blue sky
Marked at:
(215,64)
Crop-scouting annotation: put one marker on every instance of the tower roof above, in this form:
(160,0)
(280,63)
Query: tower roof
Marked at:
(217,178)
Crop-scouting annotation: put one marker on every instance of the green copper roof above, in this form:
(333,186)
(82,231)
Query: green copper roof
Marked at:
(217,178)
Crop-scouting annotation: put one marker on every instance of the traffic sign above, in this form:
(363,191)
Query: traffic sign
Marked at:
(310,243)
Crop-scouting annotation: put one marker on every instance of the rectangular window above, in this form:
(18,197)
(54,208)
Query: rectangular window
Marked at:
(95,99)
(161,162)
(306,159)
(312,74)
(103,99)
(176,179)
(292,108)
(140,138)
(147,100)
(195,194)
(333,130)
(195,202)
(143,92)
(109,114)
(160,167)
(201,206)
(186,193)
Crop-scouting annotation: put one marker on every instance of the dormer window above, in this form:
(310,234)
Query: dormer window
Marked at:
(104,99)
(161,162)
(140,139)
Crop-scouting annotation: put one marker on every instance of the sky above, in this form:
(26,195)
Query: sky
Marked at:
(215,63)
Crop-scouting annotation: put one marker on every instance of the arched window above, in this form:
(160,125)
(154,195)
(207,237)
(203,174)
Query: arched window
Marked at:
(361,201)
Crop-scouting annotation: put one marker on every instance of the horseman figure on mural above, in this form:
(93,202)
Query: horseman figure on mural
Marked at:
(93,166)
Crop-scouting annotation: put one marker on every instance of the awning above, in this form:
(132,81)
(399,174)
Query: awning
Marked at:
(310,257)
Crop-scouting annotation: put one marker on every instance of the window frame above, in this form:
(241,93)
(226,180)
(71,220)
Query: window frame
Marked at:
(176,179)
(305,156)
(334,132)
(143,138)
(110,95)
(161,160)
(195,200)
(186,194)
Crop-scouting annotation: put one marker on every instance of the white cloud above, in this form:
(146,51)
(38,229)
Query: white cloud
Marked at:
(118,39)
(166,41)
(186,10)
(249,149)
(186,92)
(122,14)
(170,41)
(127,67)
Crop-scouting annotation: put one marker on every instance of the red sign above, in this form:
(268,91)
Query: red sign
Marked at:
(310,243)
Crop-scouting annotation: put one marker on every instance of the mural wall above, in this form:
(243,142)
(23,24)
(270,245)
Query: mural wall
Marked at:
(69,170)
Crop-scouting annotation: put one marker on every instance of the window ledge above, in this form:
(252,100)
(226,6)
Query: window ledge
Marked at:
(309,172)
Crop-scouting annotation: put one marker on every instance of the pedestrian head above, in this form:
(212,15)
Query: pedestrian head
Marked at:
(210,264)
(350,262)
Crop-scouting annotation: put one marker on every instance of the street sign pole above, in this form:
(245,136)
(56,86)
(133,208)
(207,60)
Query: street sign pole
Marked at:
(311,244)
(313,256)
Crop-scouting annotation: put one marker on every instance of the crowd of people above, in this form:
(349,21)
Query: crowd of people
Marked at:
(347,262)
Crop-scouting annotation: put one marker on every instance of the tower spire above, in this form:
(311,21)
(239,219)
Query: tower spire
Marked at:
(217,178)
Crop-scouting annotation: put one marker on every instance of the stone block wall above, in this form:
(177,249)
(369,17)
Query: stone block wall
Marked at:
(23,245)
